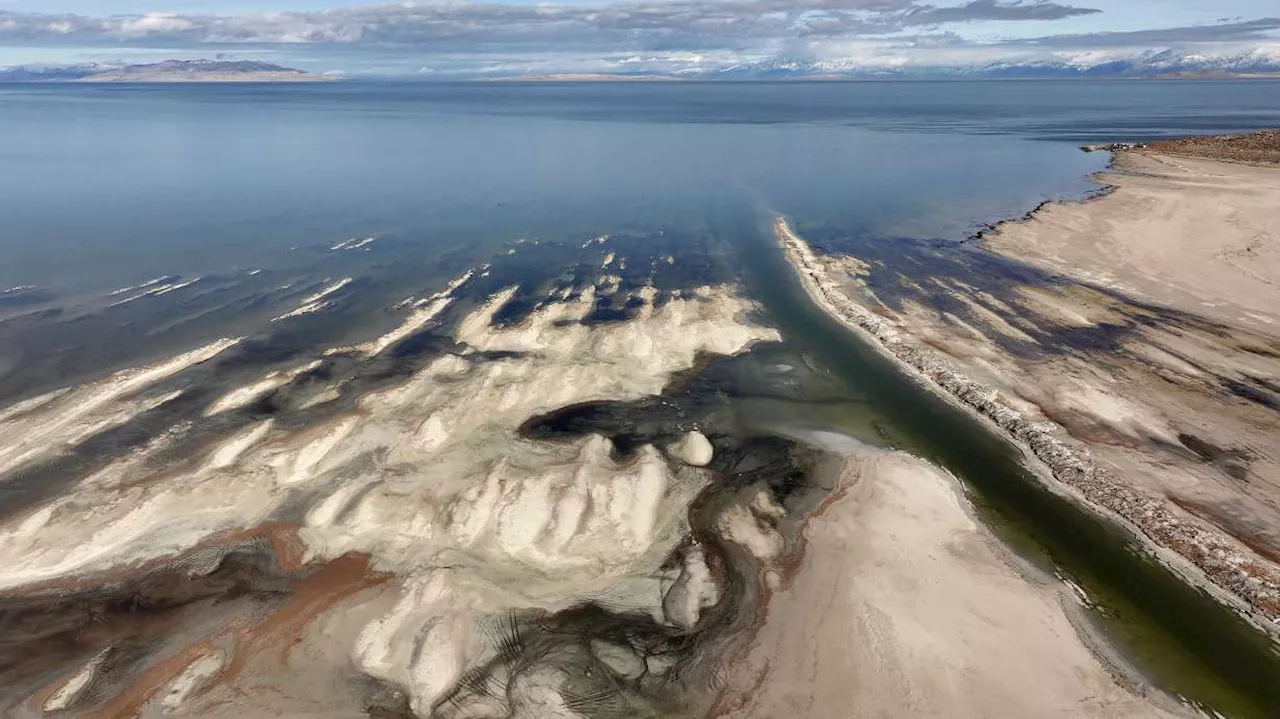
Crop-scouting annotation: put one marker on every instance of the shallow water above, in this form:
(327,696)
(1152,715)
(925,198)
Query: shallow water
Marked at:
(237,201)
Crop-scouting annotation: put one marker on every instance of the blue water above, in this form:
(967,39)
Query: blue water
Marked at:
(108,185)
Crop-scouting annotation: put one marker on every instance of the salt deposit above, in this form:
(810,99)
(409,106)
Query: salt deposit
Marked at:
(315,302)
(693,449)
(244,396)
(196,676)
(73,688)
(421,475)
(57,420)
(150,289)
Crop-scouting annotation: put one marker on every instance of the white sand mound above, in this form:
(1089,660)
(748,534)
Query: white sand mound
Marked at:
(56,421)
(693,449)
(425,475)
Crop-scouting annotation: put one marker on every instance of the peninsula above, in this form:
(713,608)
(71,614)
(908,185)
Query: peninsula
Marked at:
(1128,343)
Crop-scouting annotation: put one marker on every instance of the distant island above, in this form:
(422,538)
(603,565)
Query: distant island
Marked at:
(172,71)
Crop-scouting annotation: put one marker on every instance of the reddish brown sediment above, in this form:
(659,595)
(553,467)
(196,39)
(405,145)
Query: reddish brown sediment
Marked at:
(130,701)
(125,609)
(332,583)
(262,643)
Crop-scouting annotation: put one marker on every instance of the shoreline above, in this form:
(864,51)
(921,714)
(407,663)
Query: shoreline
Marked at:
(1166,260)
(1062,468)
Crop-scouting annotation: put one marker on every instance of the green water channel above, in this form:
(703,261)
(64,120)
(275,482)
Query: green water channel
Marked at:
(1177,636)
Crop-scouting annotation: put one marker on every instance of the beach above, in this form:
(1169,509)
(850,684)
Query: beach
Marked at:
(1185,232)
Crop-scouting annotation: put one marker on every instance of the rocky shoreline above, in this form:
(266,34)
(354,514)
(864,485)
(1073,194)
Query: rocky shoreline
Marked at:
(1244,582)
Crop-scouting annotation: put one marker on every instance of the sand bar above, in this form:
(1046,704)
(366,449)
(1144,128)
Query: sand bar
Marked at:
(903,605)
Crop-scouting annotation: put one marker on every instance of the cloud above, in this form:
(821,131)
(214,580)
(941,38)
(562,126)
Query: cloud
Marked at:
(982,10)
(459,37)
(155,23)
(1262,29)
(634,23)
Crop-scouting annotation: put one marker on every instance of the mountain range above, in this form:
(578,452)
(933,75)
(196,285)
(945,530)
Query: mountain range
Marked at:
(166,71)
(1166,63)
(1155,64)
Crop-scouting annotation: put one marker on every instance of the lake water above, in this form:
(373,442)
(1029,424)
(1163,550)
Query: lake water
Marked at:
(240,197)
(110,184)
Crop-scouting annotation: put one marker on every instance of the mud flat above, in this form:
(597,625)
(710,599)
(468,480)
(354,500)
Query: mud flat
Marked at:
(1187,232)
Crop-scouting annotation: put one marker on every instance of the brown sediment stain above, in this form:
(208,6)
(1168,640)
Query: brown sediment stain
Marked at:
(335,581)
(279,631)
(788,566)
(135,606)
(129,702)
(132,631)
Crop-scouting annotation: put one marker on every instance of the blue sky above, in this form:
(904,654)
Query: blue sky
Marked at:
(500,36)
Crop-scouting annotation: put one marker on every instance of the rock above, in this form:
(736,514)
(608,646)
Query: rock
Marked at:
(693,449)
(1113,147)
(693,591)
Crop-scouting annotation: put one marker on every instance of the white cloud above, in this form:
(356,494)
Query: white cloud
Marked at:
(152,23)
(642,36)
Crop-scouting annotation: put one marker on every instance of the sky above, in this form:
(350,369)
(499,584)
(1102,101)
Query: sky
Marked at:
(451,37)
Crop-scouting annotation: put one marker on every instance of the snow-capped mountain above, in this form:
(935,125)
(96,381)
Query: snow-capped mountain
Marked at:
(1148,64)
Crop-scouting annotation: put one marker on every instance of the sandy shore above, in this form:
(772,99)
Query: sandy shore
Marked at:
(903,605)
(1144,379)
(1193,234)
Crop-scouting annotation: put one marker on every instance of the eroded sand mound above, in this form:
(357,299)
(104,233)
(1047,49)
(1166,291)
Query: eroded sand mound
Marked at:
(413,517)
